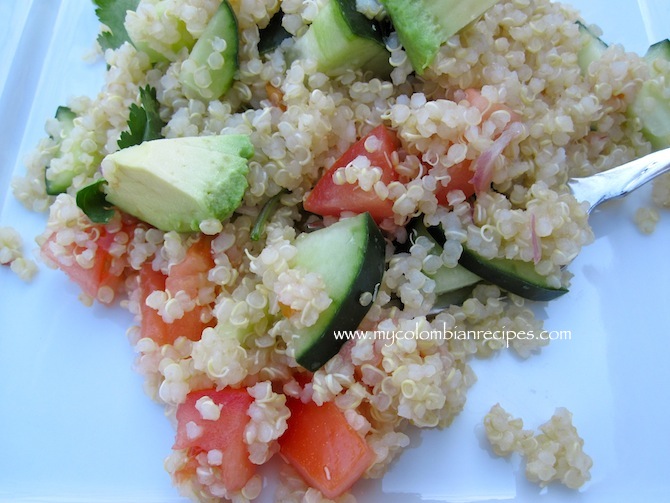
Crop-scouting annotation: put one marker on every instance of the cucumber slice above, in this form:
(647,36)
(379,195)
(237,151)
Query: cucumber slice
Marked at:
(209,71)
(515,276)
(424,25)
(57,182)
(341,39)
(652,104)
(350,256)
(447,279)
(591,50)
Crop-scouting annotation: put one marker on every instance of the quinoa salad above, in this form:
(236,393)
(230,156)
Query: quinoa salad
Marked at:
(318,208)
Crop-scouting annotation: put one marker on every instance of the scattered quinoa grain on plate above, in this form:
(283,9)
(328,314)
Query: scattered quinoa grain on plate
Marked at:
(284,217)
(11,254)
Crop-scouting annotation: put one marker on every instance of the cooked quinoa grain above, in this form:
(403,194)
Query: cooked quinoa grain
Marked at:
(555,454)
(505,104)
(11,254)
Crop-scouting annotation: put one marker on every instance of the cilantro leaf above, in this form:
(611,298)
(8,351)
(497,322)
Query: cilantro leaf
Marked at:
(144,122)
(112,13)
(92,201)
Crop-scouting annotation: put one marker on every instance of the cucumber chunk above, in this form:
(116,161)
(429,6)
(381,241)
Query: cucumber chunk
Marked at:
(515,276)
(591,50)
(424,25)
(447,279)
(349,256)
(652,104)
(341,39)
(164,44)
(69,160)
(58,181)
(209,71)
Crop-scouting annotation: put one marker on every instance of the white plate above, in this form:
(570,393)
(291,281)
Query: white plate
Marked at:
(76,426)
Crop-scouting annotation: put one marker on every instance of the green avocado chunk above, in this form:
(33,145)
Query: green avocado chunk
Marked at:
(175,184)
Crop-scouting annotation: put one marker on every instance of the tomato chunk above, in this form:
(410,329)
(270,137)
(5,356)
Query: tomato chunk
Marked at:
(460,179)
(191,273)
(188,275)
(225,433)
(323,448)
(327,198)
(100,275)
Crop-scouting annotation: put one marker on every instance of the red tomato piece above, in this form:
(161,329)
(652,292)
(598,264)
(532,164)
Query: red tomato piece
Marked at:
(191,273)
(329,199)
(460,179)
(225,434)
(105,271)
(323,448)
(188,275)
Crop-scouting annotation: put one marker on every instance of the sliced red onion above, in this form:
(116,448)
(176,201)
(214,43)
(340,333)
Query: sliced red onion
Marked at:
(484,164)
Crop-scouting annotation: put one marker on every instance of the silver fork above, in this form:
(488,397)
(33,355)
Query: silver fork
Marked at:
(619,181)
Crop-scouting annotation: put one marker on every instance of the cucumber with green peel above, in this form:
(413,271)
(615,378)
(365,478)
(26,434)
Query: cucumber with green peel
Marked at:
(57,182)
(592,48)
(424,25)
(340,38)
(513,275)
(447,279)
(350,258)
(152,42)
(652,104)
(209,71)
(66,164)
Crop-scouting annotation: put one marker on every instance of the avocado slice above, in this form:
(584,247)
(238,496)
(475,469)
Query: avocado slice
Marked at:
(174,184)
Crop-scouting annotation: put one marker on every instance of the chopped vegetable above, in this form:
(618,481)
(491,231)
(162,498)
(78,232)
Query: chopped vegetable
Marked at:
(652,104)
(447,279)
(341,39)
(333,194)
(188,276)
(178,183)
(515,276)
(424,25)
(592,48)
(210,69)
(164,44)
(323,448)
(460,178)
(219,428)
(99,273)
(360,250)
(56,180)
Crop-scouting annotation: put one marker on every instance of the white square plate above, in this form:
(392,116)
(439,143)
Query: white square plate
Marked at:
(75,425)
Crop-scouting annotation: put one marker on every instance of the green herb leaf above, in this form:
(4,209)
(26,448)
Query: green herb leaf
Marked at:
(112,13)
(92,201)
(144,122)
